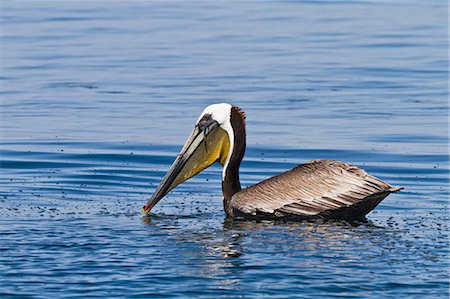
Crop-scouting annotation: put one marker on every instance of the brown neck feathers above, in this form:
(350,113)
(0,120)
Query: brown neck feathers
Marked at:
(230,183)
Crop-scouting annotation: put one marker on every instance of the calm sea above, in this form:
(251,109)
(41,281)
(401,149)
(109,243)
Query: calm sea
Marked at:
(97,98)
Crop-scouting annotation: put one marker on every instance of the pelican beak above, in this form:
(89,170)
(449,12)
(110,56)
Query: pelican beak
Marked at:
(207,144)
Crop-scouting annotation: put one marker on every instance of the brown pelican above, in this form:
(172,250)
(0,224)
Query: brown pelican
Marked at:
(324,189)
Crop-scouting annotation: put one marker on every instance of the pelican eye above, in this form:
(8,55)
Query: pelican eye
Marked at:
(205,122)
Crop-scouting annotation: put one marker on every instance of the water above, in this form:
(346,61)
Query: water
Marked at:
(98,97)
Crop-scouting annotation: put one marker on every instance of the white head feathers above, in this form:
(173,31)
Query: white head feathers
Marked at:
(222,114)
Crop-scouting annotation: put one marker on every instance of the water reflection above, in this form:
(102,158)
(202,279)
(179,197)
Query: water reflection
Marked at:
(226,250)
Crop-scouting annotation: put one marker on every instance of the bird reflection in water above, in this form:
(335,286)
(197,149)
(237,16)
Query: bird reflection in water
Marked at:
(224,250)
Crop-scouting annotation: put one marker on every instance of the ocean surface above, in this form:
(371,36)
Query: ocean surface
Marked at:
(97,98)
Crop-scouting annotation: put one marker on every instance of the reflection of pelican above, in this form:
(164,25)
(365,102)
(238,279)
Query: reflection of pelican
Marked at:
(318,189)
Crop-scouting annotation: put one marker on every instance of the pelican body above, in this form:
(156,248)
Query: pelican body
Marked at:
(324,189)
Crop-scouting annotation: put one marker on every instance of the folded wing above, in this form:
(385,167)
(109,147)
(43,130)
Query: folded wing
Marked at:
(318,189)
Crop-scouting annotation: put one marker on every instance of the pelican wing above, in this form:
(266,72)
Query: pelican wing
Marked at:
(318,189)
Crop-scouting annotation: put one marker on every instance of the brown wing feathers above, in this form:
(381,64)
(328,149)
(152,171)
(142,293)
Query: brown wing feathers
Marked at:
(312,189)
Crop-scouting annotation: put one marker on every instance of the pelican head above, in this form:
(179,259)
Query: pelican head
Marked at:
(211,141)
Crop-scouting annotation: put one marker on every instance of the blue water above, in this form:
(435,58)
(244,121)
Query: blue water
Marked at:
(98,97)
